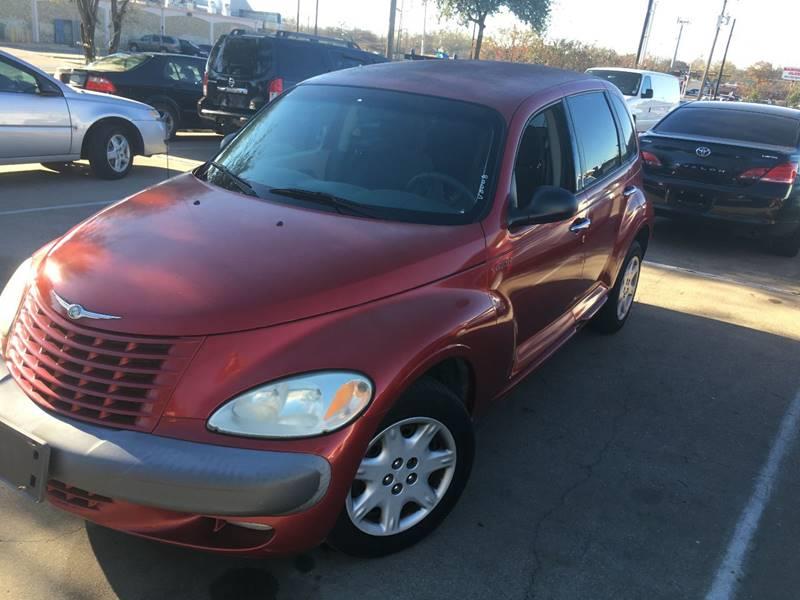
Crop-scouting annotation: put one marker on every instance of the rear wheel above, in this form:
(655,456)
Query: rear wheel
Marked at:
(414,471)
(617,308)
(788,246)
(133,48)
(170,117)
(110,152)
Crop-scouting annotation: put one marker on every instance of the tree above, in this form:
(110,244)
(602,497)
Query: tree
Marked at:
(793,98)
(88,12)
(531,12)
(118,10)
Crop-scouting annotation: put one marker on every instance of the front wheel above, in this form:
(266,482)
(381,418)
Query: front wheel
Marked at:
(133,48)
(169,116)
(412,475)
(617,309)
(110,152)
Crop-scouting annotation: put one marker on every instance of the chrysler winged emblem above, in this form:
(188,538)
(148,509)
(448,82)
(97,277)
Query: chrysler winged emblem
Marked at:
(703,151)
(76,311)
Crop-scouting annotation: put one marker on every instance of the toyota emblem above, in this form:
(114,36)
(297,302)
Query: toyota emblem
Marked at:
(703,151)
(231,82)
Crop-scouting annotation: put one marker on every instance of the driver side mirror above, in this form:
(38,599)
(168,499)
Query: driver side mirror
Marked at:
(227,140)
(549,204)
(647,94)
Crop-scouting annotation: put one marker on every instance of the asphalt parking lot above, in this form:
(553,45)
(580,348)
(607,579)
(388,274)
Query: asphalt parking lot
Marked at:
(658,463)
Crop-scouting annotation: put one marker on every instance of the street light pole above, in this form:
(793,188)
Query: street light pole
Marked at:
(316,19)
(681,22)
(390,36)
(711,53)
(724,58)
(645,28)
(298,16)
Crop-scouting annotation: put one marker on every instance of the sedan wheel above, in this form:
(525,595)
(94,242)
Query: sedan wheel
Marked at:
(118,153)
(407,471)
(110,152)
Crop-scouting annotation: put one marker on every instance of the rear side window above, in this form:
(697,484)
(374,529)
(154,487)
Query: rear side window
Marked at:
(627,82)
(245,57)
(647,84)
(596,135)
(740,125)
(342,60)
(629,148)
(299,61)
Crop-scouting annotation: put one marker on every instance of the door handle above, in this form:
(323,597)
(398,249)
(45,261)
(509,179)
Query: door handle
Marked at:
(580,225)
(629,191)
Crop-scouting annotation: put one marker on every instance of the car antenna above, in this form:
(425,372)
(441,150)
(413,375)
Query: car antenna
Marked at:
(168,173)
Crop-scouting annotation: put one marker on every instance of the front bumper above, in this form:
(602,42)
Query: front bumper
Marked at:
(153,135)
(166,473)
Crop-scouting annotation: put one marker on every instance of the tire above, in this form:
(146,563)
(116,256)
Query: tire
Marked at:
(105,139)
(170,117)
(133,48)
(432,411)
(60,167)
(787,246)
(614,313)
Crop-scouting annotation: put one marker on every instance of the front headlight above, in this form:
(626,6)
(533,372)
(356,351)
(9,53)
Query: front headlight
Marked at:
(11,297)
(295,407)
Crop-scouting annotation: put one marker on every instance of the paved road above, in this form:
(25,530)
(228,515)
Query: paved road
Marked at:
(631,466)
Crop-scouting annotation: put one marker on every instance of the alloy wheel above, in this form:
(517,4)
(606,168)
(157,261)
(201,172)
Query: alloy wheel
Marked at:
(406,472)
(627,291)
(118,152)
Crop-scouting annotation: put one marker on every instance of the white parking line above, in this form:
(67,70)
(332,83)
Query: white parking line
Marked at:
(760,286)
(22,211)
(732,566)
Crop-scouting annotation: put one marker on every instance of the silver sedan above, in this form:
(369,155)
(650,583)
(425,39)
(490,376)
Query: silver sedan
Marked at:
(44,120)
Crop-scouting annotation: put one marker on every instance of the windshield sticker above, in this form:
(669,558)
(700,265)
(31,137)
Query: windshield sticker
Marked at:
(482,187)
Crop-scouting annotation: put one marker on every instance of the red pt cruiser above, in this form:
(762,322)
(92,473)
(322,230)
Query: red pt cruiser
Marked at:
(291,343)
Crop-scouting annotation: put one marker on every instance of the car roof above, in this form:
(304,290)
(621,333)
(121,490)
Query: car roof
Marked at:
(499,85)
(767,109)
(627,70)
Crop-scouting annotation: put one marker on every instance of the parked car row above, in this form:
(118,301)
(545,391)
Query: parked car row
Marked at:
(167,43)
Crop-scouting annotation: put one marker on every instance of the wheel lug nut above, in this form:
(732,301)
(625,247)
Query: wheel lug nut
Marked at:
(388,479)
(412,478)
(412,463)
(397,463)
(397,488)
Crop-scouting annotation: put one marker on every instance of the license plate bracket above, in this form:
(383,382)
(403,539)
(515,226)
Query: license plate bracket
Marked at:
(24,461)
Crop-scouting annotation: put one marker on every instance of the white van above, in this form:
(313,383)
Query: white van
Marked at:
(650,95)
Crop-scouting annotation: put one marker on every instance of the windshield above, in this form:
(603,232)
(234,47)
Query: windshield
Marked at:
(119,62)
(627,82)
(740,125)
(394,155)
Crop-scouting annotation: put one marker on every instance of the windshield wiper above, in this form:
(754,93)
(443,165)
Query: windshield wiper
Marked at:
(242,184)
(341,205)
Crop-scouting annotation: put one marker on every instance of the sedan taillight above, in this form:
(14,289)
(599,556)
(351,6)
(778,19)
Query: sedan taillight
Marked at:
(275,88)
(205,84)
(100,84)
(650,159)
(783,173)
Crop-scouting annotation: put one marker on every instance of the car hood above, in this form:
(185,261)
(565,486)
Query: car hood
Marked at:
(188,258)
(81,95)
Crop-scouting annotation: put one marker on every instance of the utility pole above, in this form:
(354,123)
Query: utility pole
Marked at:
(316,20)
(390,36)
(713,45)
(424,24)
(645,29)
(298,16)
(681,22)
(724,58)
(399,44)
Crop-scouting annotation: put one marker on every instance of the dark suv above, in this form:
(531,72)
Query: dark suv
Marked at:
(245,71)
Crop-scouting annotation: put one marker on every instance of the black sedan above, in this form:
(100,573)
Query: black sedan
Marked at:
(171,83)
(735,163)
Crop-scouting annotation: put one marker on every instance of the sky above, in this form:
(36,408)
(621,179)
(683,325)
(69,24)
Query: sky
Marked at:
(765,29)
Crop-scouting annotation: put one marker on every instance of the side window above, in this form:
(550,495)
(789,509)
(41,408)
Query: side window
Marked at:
(596,134)
(147,38)
(299,61)
(647,84)
(629,148)
(544,156)
(15,80)
(172,70)
(343,60)
(189,71)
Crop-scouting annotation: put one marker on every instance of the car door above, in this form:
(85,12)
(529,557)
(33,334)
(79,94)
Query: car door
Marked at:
(183,77)
(34,117)
(543,274)
(606,177)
